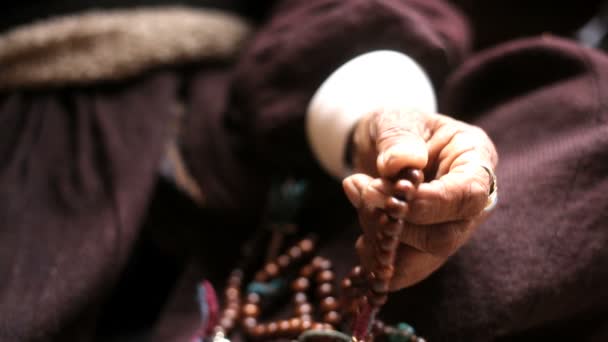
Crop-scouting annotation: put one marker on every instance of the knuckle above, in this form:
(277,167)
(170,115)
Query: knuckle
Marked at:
(390,135)
(446,200)
(423,211)
(472,197)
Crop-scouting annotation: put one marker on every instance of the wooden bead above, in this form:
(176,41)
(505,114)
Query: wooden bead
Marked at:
(271,269)
(321,263)
(272,328)
(413,175)
(253,298)
(356,272)
(307,245)
(332,317)
(283,261)
(284,327)
(295,325)
(325,276)
(306,324)
(251,310)
(231,313)
(346,283)
(227,323)
(295,252)
(303,309)
(259,331)
(249,323)
(325,289)
(300,298)
(232,293)
(233,306)
(301,284)
(329,304)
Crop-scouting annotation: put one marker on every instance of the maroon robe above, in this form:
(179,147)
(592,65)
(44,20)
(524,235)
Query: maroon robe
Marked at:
(78,166)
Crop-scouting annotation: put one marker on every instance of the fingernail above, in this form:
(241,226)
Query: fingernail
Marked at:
(395,150)
(390,154)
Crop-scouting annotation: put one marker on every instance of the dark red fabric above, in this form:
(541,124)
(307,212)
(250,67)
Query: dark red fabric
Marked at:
(535,269)
(217,157)
(538,262)
(496,21)
(76,169)
(304,41)
(78,164)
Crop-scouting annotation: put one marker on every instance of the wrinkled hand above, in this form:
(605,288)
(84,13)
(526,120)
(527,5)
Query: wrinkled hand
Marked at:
(440,214)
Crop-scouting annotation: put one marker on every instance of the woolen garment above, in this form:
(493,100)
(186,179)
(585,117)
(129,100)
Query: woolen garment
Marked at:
(78,164)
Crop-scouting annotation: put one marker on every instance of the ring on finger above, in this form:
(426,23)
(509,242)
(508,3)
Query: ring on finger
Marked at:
(493,193)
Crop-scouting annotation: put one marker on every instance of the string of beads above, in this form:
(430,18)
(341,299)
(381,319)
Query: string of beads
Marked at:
(351,307)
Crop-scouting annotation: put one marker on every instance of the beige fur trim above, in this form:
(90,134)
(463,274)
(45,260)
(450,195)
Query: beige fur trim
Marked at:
(110,45)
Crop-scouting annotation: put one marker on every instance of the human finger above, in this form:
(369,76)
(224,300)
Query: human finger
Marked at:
(400,141)
(454,142)
(377,193)
(460,194)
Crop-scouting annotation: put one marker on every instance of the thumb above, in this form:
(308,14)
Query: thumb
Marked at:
(400,143)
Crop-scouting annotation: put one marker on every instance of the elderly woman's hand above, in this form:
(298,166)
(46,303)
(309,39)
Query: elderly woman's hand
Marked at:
(440,214)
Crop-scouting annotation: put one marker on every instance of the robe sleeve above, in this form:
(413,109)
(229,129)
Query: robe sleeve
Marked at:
(77,167)
(303,42)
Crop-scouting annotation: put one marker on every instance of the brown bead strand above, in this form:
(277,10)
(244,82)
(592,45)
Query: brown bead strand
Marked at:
(353,289)
(326,292)
(294,326)
(320,269)
(232,300)
(294,254)
(373,285)
(386,249)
